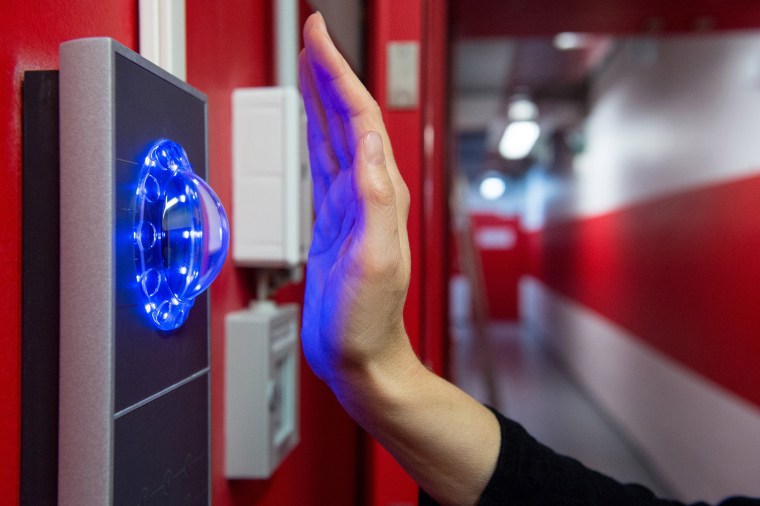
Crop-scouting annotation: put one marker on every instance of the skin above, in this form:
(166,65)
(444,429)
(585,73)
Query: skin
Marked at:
(358,276)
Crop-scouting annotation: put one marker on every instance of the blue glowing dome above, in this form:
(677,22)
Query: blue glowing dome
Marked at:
(181,235)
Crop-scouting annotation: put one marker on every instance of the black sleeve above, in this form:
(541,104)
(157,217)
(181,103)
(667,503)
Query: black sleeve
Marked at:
(530,474)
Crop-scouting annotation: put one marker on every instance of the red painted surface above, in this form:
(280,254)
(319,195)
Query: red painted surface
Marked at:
(434,345)
(30,33)
(681,272)
(497,18)
(502,265)
(399,20)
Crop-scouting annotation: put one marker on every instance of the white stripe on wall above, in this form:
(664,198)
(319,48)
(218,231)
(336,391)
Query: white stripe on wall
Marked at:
(703,440)
(668,115)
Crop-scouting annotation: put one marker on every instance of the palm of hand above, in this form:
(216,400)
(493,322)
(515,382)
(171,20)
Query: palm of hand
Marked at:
(330,265)
(358,269)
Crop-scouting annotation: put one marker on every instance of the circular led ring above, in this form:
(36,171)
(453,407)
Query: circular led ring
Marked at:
(181,235)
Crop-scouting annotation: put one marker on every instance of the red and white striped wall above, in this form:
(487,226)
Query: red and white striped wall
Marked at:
(644,265)
(702,439)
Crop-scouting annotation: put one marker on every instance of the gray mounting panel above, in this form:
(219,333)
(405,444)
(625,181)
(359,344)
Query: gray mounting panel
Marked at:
(134,401)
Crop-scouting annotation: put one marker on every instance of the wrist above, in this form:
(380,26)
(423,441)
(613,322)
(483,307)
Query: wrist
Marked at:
(379,386)
(447,441)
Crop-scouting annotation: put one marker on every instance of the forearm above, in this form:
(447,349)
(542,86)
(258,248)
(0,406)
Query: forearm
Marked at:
(446,441)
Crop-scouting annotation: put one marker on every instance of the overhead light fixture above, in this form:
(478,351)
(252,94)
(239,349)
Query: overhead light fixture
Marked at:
(522,108)
(493,186)
(567,41)
(518,139)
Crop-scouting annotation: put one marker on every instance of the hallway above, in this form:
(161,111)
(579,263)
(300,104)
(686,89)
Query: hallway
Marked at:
(532,389)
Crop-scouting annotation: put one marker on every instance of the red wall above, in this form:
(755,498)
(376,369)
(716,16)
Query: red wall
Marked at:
(681,273)
(435,194)
(661,233)
(502,264)
(651,245)
(229,45)
(29,38)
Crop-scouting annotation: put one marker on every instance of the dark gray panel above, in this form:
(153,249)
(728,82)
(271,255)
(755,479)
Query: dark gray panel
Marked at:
(127,293)
(149,360)
(150,108)
(161,450)
(39,404)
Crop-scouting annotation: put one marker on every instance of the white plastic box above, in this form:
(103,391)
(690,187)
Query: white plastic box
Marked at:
(261,389)
(271,200)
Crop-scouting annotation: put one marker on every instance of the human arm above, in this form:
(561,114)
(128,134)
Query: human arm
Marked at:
(529,473)
(357,279)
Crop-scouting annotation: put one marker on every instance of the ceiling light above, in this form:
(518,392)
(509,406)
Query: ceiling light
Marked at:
(493,186)
(566,41)
(522,109)
(518,139)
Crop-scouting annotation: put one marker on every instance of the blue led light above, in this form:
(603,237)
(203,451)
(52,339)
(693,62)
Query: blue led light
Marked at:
(181,235)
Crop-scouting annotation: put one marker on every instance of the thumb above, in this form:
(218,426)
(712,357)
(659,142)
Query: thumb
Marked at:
(377,201)
(376,187)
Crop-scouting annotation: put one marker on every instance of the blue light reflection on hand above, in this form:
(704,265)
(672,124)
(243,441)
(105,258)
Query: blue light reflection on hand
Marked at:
(338,226)
(359,263)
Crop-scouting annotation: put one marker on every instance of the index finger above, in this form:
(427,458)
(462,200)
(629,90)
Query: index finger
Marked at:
(349,96)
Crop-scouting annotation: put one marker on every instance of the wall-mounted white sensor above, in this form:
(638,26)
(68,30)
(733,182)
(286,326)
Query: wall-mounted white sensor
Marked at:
(271,195)
(261,389)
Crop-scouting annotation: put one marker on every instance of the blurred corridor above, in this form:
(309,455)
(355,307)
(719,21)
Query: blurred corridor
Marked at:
(533,389)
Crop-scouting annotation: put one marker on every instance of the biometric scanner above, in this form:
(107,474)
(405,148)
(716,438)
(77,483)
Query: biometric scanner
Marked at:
(141,238)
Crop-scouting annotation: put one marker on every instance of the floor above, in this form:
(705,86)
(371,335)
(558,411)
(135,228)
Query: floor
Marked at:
(530,387)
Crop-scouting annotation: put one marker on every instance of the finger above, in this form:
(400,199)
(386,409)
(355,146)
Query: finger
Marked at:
(330,225)
(378,219)
(335,121)
(324,164)
(348,97)
(356,104)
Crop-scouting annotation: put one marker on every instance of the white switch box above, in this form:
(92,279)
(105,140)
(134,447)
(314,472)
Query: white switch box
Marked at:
(271,196)
(403,71)
(261,389)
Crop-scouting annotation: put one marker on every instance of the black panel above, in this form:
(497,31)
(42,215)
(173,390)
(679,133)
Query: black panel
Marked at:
(40,345)
(149,108)
(125,179)
(149,360)
(161,450)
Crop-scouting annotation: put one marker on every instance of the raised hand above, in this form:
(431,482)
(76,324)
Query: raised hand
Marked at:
(358,268)
(356,283)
